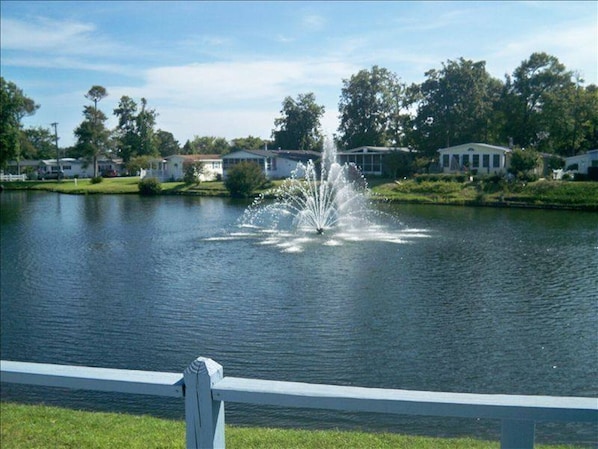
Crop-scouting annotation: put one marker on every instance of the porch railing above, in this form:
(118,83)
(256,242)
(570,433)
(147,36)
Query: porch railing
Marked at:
(205,389)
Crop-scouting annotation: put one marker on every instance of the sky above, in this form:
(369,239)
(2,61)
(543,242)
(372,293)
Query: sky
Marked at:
(223,68)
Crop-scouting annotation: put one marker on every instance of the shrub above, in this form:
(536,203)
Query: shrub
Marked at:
(149,186)
(96,179)
(244,178)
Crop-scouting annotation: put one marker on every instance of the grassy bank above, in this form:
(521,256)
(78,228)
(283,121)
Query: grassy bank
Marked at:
(28,426)
(540,194)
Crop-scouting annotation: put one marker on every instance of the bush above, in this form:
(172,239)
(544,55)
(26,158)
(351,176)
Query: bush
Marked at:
(244,178)
(149,186)
(96,179)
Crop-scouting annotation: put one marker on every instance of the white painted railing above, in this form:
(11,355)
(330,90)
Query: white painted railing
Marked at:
(205,390)
(11,178)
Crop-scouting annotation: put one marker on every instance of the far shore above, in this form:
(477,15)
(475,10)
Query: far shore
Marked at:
(542,194)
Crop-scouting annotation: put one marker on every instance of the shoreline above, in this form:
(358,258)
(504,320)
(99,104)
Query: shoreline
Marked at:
(547,195)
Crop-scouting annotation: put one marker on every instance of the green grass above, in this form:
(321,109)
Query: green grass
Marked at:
(39,426)
(544,194)
(547,194)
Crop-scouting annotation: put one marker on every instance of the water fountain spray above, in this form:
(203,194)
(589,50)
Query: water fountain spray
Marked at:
(317,196)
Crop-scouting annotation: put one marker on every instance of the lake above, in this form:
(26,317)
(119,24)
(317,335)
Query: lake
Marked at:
(437,298)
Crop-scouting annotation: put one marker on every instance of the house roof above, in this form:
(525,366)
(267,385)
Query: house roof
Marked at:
(483,146)
(196,157)
(372,149)
(293,155)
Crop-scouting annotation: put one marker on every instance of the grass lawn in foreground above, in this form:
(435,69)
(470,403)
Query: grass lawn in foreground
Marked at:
(39,426)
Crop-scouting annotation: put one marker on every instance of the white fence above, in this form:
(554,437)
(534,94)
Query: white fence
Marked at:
(10,178)
(205,390)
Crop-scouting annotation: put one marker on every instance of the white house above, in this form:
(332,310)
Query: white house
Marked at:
(370,160)
(276,164)
(176,165)
(582,162)
(70,168)
(474,156)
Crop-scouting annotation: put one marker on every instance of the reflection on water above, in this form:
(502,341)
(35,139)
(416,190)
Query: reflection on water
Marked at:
(440,298)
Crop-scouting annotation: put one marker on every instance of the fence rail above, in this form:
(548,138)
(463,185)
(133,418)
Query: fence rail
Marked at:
(11,178)
(205,390)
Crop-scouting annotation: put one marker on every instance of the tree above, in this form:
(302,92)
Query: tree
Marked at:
(137,163)
(193,172)
(372,109)
(523,161)
(299,126)
(244,178)
(209,145)
(248,143)
(92,136)
(37,143)
(14,105)
(534,100)
(166,144)
(145,121)
(126,132)
(135,129)
(456,106)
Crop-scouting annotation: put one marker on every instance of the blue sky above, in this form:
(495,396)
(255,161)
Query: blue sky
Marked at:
(223,68)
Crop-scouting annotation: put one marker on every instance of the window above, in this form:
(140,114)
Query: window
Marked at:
(445,160)
(496,160)
(465,160)
(486,160)
(475,163)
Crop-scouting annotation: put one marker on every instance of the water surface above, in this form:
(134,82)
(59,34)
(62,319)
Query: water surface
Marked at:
(451,299)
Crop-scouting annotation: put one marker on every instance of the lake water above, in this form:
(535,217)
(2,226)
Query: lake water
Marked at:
(438,298)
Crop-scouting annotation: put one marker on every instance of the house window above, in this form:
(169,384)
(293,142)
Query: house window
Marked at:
(475,161)
(485,160)
(465,160)
(496,160)
(445,160)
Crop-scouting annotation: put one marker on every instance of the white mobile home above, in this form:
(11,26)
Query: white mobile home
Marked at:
(276,164)
(177,164)
(474,156)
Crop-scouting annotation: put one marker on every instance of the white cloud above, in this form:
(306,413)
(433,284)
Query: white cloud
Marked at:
(574,44)
(221,84)
(313,22)
(47,35)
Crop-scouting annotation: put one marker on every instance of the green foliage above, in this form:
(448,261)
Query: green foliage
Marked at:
(206,145)
(249,143)
(135,133)
(14,105)
(456,106)
(299,126)
(137,163)
(149,186)
(37,143)
(93,139)
(244,178)
(96,180)
(523,162)
(166,144)
(372,109)
(193,171)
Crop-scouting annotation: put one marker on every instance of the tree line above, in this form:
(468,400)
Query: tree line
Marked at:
(540,106)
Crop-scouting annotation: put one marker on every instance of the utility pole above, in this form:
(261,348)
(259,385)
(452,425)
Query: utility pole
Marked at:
(55,125)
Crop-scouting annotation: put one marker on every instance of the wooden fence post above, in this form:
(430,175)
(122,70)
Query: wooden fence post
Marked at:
(204,417)
(517,434)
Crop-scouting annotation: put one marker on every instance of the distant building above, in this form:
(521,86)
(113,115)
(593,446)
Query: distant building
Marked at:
(369,159)
(474,156)
(276,164)
(175,166)
(582,162)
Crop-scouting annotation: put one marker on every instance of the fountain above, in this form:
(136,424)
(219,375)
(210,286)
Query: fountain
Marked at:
(315,199)
(320,204)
